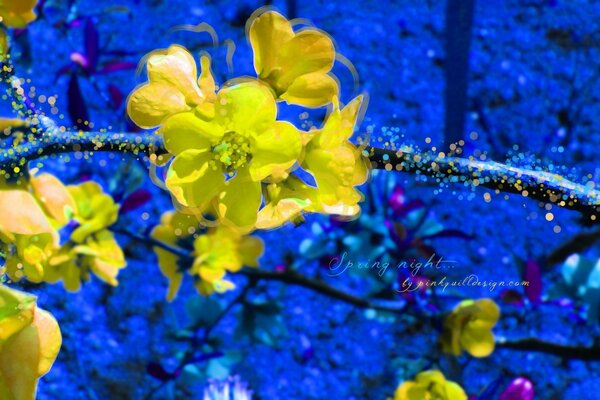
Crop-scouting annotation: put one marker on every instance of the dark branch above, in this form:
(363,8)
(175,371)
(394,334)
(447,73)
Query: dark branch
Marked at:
(537,185)
(536,345)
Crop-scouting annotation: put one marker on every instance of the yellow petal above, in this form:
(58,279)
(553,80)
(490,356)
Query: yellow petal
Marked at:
(19,363)
(16,311)
(275,150)
(176,67)
(310,51)
(186,131)
(268,33)
(6,123)
(340,124)
(206,81)
(239,203)
(251,248)
(194,179)
(454,391)
(54,198)
(311,90)
(478,342)
(151,103)
(245,108)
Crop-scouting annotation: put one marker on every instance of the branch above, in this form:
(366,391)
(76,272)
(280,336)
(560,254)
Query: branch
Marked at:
(294,278)
(537,185)
(54,142)
(536,345)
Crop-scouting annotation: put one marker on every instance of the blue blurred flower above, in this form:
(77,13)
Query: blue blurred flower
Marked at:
(230,389)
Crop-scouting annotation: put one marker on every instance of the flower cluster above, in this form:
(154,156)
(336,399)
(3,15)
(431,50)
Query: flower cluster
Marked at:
(469,327)
(29,343)
(232,157)
(212,253)
(42,210)
(430,385)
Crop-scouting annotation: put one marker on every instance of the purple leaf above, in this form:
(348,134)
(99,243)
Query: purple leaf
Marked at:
(533,275)
(116,96)
(76,106)
(114,66)
(135,200)
(449,233)
(521,388)
(156,370)
(91,43)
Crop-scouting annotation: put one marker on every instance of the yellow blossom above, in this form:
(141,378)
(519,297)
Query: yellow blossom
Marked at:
(172,87)
(430,385)
(28,255)
(294,64)
(469,327)
(219,163)
(215,252)
(30,340)
(335,162)
(99,253)
(287,200)
(17,13)
(94,209)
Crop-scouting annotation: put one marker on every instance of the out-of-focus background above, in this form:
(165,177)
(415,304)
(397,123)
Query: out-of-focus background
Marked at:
(517,81)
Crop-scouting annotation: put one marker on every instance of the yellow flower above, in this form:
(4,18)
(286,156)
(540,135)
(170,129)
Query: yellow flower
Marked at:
(172,87)
(28,256)
(94,209)
(17,13)
(219,251)
(294,64)
(223,160)
(335,162)
(469,327)
(175,229)
(99,253)
(287,200)
(216,251)
(430,385)
(30,340)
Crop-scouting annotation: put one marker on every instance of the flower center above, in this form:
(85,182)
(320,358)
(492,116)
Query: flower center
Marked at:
(233,151)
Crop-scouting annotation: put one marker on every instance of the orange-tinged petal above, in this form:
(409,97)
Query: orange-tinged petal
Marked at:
(54,197)
(50,339)
(20,214)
